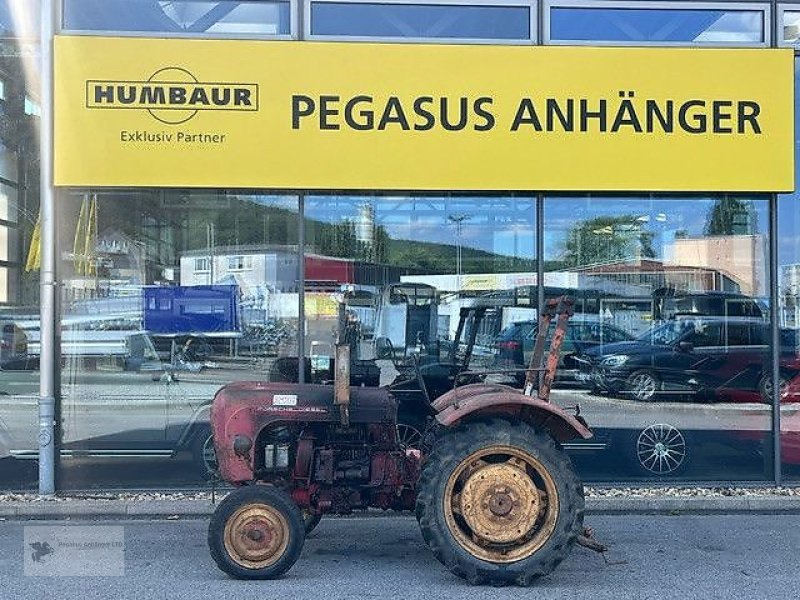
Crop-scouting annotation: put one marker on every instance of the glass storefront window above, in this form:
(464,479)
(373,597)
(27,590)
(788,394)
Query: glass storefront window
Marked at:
(185,17)
(660,23)
(168,296)
(431,20)
(791,27)
(673,368)
(410,272)
(19,267)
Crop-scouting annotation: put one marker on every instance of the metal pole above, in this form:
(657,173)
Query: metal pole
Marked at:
(540,17)
(539,255)
(776,338)
(301,288)
(49,351)
(774,298)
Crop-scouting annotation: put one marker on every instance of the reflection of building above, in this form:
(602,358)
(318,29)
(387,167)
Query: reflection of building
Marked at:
(654,274)
(790,295)
(251,267)
(741,257)
(275,266)
(365,226)
(488,282)
(790,279)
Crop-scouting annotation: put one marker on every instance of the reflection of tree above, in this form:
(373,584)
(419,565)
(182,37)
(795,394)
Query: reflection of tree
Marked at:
(338,239)
(249,223)
(731,216)
(607,239)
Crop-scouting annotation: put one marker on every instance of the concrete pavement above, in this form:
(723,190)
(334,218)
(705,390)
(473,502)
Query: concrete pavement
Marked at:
(664,557)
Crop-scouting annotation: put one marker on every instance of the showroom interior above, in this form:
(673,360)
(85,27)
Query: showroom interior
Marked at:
(167,294)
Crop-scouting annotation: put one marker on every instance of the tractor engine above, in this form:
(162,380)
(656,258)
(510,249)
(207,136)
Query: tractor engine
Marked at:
(328,468)
(292,437)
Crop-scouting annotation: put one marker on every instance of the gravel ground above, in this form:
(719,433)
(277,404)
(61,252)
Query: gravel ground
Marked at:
(591,492)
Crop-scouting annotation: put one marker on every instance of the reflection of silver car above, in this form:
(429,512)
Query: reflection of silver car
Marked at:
(123,402)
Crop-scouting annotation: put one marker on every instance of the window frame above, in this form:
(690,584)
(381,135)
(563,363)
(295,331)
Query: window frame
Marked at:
(780,16)
(198,261)
(763,8)
(531,5)
(246,260)
(294,27)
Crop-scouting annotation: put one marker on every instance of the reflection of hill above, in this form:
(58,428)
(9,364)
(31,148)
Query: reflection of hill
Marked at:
(249,223)
(441,258)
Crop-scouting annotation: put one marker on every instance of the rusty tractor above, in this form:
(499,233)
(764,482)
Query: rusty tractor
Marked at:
(496,497)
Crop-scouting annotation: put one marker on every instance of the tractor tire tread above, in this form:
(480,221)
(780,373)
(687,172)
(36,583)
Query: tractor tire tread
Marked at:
(449,450)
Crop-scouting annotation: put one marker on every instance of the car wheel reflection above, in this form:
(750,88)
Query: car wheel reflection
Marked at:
(643,386)
(661,450)
(205,456)
(765,387)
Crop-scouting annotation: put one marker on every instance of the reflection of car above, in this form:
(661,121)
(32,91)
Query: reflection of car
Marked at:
(709,358)
(14,348)
(118,400)
(514,345)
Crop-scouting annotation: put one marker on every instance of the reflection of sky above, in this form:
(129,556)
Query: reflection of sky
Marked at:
(498,225)
(186,16)
(423,20)
(655,25)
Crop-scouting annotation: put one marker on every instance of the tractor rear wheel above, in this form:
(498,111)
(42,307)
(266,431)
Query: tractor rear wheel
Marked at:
(256,532)
(498,503)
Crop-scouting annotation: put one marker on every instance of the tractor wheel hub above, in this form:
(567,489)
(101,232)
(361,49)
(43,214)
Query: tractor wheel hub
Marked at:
(500,503)
(256,536)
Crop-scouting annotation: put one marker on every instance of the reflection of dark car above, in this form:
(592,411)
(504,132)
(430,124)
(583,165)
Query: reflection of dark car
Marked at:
(14,348)
(514,345)
(705,358)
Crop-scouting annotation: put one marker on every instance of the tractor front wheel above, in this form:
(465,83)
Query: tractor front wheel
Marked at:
(498,503)
(256,532)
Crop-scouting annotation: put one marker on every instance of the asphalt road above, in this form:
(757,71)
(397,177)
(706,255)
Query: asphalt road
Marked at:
(660,557)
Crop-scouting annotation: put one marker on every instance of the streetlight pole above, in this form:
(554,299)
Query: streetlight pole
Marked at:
(459,221)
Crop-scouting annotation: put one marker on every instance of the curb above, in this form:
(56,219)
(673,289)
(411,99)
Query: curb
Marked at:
(140,509)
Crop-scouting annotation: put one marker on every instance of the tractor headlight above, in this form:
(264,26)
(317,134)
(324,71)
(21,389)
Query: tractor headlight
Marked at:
(614,360)
(242,445)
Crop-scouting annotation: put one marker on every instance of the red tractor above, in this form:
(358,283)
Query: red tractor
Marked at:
(496,497)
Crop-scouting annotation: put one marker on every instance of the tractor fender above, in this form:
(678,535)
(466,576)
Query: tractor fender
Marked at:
(498,400)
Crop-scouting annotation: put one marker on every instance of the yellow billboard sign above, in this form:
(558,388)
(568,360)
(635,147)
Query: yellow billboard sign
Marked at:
(358,116)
